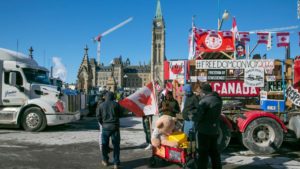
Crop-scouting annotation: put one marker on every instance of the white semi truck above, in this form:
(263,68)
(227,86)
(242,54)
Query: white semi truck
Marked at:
(27,99)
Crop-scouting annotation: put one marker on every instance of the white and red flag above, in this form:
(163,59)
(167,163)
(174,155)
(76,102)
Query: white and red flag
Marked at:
(244,36)
(227,34)
(174,70)
(235,30)
(192,43)
(262,37)
(283,39)
(142,102)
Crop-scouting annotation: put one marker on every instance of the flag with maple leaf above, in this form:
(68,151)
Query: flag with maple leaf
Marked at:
(262,37)
(142,102)
(283,39)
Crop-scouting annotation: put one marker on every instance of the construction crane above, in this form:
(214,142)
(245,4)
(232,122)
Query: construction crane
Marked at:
(100,36)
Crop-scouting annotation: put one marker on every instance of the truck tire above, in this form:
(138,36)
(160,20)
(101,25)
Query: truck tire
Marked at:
(263,136)
(224,136)
(33,119)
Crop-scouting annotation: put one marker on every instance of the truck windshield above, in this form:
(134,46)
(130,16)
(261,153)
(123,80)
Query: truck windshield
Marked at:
(36,76)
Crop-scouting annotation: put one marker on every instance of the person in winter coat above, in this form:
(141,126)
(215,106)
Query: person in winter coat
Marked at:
(169,106)
(207,122)
(190,107)
(109,113)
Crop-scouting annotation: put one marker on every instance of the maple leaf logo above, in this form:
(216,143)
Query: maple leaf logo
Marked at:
(146,100)
(176,69)
(283,39)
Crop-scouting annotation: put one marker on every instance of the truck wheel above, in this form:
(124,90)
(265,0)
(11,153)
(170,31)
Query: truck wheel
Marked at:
(263,136)
(224,136)
(33,119)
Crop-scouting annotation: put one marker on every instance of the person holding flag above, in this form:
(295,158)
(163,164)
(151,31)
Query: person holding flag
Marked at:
(143,104)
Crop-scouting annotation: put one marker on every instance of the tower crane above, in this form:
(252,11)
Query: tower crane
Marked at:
(99,37)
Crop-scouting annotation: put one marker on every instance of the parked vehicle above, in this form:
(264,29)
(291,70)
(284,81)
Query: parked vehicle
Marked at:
(26,97)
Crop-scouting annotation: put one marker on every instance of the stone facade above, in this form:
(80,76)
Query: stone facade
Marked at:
(92,75)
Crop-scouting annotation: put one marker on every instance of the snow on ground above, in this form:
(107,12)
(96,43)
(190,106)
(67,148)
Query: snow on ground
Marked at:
(78,132)
(86,131)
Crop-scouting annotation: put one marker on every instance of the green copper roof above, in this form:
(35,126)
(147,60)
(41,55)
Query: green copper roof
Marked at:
(158,10)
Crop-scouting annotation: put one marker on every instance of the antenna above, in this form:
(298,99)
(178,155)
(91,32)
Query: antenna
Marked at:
(99,37)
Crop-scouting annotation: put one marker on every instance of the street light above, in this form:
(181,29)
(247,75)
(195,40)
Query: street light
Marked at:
(224,17)
(125,81)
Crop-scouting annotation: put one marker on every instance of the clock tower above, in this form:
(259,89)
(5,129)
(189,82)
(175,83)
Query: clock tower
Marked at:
(158,47)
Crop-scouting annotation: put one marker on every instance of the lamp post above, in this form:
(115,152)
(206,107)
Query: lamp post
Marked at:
(224,17)
(125,81)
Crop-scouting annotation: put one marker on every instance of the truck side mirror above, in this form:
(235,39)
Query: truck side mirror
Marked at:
(12,78)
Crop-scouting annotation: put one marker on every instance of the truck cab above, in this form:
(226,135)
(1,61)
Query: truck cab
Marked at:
(27,98)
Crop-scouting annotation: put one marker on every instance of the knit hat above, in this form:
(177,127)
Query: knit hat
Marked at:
(187,88)
(206,88)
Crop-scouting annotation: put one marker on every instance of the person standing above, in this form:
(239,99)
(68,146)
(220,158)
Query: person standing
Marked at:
(147,120)
(101,100)
(207,122)
(190,107)
(109,114)
(169,106)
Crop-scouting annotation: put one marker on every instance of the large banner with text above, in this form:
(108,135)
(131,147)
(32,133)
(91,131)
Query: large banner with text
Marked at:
(234,88)
(235,64)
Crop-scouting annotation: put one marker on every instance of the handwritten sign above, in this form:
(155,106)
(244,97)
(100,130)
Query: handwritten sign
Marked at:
(293,95)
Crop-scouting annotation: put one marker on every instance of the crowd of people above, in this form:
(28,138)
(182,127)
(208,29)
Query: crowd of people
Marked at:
(200,111)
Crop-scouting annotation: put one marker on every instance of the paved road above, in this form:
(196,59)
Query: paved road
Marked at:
(75,146)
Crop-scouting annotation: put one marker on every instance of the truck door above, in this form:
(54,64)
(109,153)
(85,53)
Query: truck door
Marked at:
(13,95)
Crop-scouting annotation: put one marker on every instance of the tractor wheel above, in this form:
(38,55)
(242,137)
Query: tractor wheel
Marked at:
(263,136)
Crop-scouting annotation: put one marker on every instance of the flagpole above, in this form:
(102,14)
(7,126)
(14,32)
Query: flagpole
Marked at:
(253,49)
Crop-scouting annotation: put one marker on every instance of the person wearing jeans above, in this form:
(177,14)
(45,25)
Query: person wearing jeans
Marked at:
(115,137)
(108,117)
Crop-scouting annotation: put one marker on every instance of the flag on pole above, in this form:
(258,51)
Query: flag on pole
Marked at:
(192,43)
(244,36)
(262,37)
(142,102)
(283,39)
(235,30)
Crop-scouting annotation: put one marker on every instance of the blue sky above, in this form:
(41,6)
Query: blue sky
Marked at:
(62,28)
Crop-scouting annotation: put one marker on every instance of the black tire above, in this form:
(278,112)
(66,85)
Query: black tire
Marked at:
(224,136)
(263,136)
(33,119)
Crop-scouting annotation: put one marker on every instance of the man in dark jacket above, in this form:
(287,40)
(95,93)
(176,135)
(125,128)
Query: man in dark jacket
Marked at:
(108,117)
(207,121)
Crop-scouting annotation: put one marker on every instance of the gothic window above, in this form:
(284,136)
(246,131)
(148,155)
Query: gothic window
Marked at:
(159,53)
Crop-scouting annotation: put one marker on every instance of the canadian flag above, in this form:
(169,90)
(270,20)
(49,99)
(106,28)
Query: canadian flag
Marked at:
(244,36)
(262,37)
(142,102)
(227,34)
(283,39)
(235,29)
(174,70)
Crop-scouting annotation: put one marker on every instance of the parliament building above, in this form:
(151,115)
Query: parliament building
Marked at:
(120,73)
